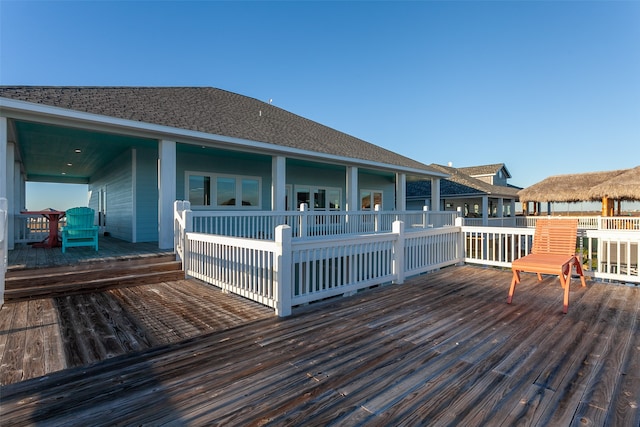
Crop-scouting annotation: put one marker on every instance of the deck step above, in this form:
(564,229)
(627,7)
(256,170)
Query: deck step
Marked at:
(60,281)
(89,265)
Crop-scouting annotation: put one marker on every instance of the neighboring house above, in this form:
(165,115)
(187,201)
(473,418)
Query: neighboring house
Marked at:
(495,174)
(479,191)
(141,148)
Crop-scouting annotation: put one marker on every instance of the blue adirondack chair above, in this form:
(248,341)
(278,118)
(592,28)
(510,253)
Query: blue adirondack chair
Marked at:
(80,229)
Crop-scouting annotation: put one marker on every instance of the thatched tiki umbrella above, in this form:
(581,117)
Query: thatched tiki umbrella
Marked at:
(566,188)
(622,187)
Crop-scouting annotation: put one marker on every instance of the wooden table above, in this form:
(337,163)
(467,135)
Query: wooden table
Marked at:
(54,217)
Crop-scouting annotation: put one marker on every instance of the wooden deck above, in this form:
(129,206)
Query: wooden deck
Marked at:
(442,349)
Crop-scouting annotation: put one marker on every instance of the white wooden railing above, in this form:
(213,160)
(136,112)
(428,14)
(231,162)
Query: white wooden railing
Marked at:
(605,254)
(247,267)
(496,246)
(612,254)
(304,223)
(181,225)
(286,271)
(588,222)
(507,221)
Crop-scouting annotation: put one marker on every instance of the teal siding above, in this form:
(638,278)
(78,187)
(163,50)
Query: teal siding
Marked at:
(227,165)
(117,176)
(298,174)
(331,176)
(146,195)
(380,182)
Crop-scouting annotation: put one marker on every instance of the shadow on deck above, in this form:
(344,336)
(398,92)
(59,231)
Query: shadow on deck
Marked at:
(441,349)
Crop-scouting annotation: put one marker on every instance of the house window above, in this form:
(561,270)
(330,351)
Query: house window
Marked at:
(319,198)
(199,190)
(369,199)
(223,191)
(250,192)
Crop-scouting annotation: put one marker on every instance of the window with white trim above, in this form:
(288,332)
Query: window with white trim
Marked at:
(370,198)
(319,198)
(223,191)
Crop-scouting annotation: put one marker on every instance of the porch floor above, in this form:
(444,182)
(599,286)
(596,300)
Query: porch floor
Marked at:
(441,349)
(109,248)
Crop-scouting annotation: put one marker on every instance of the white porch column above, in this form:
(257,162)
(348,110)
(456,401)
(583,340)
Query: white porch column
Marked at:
(278,183)
(12,204)
(166,192)
(500,207)
(16,198)
(485,210)
(435,194)
(513,208)
(401,192)
(7,161)
(3,156)
(352,196)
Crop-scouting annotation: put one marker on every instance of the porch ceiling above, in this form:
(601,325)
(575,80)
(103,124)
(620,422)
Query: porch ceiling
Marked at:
(68,155)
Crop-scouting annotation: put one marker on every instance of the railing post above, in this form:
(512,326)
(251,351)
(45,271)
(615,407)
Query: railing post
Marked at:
(425,216)
(177,213)
(459,215)
(187,217)
(377,218)
(304,208)
(283,259)
(459,222)
(398,252)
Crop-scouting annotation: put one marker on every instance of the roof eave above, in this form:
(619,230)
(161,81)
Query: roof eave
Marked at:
(62,116)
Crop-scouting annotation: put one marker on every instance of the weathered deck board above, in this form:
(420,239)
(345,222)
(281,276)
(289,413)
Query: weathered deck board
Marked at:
(45,335)
(442,349)
(608,364)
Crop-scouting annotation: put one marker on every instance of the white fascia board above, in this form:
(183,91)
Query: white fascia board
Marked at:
(24,110)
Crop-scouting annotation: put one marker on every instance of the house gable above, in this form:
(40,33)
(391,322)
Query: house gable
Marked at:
(494,174)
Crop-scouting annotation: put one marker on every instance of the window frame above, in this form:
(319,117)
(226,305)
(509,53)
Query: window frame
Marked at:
(213,190)
(314,190)
(371,193)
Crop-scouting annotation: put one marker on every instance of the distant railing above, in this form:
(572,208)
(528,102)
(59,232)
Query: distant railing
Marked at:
(507,221)
(305,223)
(33,228)
(588,222)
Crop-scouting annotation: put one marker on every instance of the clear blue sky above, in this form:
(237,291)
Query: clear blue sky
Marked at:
(545,87)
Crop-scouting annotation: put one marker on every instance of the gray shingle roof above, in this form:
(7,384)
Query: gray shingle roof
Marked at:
(484,169)
(459,183)
(212,111)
